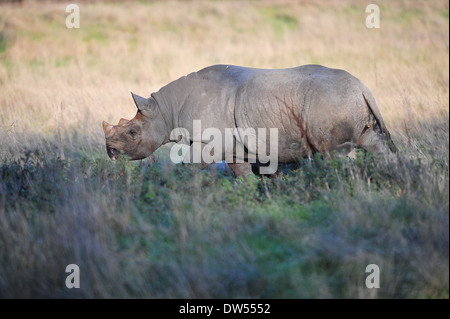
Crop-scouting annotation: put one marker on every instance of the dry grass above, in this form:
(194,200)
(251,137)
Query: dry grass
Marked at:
(128,226)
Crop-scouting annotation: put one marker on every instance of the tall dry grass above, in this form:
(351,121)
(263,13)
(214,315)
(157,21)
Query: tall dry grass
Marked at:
(52,74)
(169,232)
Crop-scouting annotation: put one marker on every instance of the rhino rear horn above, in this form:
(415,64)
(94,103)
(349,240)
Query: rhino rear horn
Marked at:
(141,103)
(107,128)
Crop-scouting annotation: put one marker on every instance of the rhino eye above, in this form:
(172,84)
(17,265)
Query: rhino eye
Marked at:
(132,133)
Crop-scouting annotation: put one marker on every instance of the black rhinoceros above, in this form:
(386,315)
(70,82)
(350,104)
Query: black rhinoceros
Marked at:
(312,108)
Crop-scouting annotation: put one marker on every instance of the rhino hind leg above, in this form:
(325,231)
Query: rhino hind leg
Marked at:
(347,149)
(374,141)
(193,149)
(371,140)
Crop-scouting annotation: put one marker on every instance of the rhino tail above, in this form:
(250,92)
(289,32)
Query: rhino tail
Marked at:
(370,101)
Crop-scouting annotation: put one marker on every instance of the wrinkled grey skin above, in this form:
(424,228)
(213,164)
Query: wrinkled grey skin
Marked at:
(316,109)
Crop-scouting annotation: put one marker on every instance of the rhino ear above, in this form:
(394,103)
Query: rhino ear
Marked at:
(107,128)
(142,104)
(123,121)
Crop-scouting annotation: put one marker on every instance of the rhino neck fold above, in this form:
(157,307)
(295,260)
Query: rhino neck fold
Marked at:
(166,110)
(170,99)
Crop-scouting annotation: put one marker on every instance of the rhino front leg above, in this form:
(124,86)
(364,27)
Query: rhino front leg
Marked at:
(195,155)
(241,169)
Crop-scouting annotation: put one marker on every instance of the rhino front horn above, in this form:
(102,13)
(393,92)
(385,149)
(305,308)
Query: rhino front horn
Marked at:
(107,128)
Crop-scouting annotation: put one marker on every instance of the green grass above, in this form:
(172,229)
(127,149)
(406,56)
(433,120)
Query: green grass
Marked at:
(62,62)
(281,21)
(411,15)
(3,44)
(195,234)
(5,39)
(96,34)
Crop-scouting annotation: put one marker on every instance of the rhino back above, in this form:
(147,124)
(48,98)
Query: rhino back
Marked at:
(311,106)
(210,96)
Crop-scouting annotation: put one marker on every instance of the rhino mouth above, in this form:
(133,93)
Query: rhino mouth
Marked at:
(113,153)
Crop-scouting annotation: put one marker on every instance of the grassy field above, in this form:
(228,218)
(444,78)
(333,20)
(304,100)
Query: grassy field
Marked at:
(165,231)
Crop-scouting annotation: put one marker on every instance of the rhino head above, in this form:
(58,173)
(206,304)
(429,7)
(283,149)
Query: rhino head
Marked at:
(139,137)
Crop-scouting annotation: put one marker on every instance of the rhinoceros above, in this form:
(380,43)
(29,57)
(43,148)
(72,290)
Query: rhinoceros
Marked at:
(312,107)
